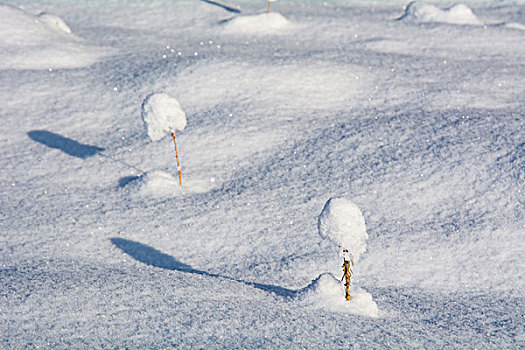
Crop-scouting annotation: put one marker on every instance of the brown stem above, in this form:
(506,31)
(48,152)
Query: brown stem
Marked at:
(177,156)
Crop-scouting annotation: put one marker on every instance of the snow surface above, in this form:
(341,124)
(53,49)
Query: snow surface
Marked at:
(326,292)
(55,22)
(262,24)
(159,184)
(342,222)
(41,42)
(456,14)
(421,125)
(162,114)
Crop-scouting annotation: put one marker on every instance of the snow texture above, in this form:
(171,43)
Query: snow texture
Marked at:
(342,222)
(421,124)
(161,184)
(162,114)
(55,22)
(456,14)
(263,24)
(41,42)
(326,292)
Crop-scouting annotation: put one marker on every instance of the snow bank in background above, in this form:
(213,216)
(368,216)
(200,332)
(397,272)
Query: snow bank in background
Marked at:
(159,184)
(273,23)
(162,114)
(457,14)
(342,222)
(55,22)
(326,292)
(514,25)
(40,42)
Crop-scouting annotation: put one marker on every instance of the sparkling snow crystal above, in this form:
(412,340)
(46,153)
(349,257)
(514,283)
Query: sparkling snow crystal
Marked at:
(162,113)
(342,222)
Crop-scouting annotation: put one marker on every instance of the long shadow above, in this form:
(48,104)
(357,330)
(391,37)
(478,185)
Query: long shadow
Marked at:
(226,7)
(66,145)
(151,256)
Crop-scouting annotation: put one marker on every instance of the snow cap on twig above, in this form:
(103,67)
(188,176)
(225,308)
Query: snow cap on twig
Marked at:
(342,222)
(162,114)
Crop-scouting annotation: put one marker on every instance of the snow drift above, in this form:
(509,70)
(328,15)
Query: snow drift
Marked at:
(326,293)
(425,13)
(55,22)
(161,184)
(41,42)
(273,23)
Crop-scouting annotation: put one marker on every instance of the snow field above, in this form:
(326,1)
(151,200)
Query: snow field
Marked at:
(428,141)
(41,42)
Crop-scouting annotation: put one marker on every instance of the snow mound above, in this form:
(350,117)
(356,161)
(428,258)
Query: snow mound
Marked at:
(273,23)
(326,292)
(514,25)
(41,42)
(342,222)
(161,184)
(55,22)
(425,13)
(162,114)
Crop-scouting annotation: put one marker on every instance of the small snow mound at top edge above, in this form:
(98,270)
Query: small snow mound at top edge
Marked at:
(514,25)
(342,222)
(425,13)
(55,22)
(162,113)
(273,23)
(41,42)
(326,292)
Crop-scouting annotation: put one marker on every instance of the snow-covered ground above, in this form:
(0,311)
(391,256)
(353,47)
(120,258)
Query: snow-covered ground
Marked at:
(414,113)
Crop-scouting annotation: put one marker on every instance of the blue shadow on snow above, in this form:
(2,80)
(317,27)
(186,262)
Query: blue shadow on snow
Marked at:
(66,145)
(153,257)
(225,7)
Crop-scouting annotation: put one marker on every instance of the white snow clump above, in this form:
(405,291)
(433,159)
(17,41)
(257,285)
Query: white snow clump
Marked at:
(162,114)
(161,184)
(273,23)
(55,22)
(41,42)
(158,183)
(425,13)
(326,293)
(514,25)
(342,222)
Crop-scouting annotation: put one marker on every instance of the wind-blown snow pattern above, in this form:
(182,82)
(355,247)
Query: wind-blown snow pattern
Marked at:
(41,42)
(419,123)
